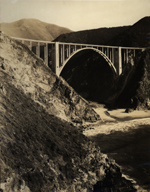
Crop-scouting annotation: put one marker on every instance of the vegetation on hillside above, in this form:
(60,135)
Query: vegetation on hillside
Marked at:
(137,35)
(94,36)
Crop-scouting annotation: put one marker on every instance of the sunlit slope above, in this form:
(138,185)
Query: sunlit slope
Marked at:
(33,29)
(31,75)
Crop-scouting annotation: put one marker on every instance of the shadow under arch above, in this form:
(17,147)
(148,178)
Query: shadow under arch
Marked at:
(88,48)
(90,75)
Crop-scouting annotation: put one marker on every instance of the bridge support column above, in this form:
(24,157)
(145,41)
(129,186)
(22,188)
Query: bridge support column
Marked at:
(30,45)
(134,53)
(110,54)
(56,58)
(107,53)
(127,59)
(68,50)
(75,48)
(113,57)
(46,53)
(120,61)
(38,50)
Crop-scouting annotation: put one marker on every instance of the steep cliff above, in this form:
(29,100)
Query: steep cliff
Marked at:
(40,152)
(29,74)
(132,88)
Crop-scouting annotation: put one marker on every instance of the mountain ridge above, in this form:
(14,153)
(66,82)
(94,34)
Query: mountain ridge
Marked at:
(33,29)
(136,35)
(98,36)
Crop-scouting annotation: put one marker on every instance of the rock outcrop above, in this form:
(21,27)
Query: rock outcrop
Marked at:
(29,74)
(132,88)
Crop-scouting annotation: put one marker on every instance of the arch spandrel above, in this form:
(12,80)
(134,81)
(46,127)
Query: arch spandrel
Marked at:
(88,48)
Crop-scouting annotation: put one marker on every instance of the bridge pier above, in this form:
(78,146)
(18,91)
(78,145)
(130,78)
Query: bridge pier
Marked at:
(56,68)
(38,50)
(120,60)
(113,58)
(46,53)
(30,46)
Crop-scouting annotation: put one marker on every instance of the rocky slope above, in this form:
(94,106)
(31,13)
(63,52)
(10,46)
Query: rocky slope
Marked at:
(39,151)
(132,88)
(33,29)
(29,74)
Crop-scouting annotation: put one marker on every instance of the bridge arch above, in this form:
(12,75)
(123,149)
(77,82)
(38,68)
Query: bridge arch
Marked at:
(88,48)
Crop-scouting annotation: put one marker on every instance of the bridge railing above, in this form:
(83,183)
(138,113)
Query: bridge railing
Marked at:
(119,56)
(66,49)
(43,49)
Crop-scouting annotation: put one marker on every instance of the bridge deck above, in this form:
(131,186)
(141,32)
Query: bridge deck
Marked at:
(56,53)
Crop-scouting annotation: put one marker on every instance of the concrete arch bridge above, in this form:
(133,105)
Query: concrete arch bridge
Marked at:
(57,54)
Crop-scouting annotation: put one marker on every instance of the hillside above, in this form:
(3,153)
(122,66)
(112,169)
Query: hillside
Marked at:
(95,36)
(132,88)
(39,151)
(29,74)
(138,35)
(33,29)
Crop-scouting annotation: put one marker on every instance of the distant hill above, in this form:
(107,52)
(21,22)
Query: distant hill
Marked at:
(137,35)
(95,36)
(33,29)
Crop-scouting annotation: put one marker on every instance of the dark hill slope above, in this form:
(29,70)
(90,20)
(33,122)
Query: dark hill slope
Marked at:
(138,35)
(30,75)
(132,88)
(42,153)
(95,36)
(33,29)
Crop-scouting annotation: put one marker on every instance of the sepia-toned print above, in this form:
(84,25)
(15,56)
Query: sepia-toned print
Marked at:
(74,96)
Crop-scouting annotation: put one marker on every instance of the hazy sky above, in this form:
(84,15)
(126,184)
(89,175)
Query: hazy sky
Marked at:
(76,14)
